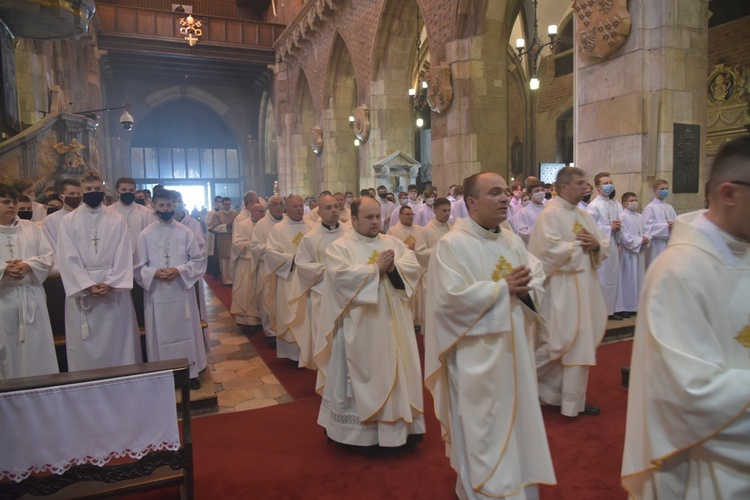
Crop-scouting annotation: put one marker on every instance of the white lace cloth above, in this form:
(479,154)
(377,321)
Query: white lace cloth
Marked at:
(54,428)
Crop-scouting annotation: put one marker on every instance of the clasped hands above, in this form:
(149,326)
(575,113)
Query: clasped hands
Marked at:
(99,289)
(518,281)
(17,269)
(589,243)
(386,261)
(166,274)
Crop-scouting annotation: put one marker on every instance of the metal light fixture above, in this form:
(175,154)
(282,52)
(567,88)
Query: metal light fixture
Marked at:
(420,122)
(126,120)
(535,47)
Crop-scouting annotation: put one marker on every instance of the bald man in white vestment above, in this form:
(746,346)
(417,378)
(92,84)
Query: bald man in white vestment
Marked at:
(688,423)
(570,246)
(26,344)
(258,248)
(307,281)
(369,370)
(96,265)
(280,250)
(244,297)
(168,264)
(482,309)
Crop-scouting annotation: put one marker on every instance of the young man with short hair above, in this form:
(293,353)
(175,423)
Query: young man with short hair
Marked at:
(634,244)
(96,265)
(169,262)
(658,219)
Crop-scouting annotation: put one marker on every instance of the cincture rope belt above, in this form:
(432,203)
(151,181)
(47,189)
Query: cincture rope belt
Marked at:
(27,312)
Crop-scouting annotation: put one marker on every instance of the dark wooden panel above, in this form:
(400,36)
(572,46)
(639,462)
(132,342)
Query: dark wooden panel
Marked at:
(145,22)
(234,32)
(216,30)
(166,24)
(686,158)
(125,20)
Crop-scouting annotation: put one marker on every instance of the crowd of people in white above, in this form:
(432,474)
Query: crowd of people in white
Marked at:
(511,287)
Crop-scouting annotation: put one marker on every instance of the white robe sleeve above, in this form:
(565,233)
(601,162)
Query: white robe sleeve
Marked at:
(143,272)
(192,270)
(630,237)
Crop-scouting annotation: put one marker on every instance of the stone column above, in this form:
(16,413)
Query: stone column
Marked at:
(472,135)
(627,104)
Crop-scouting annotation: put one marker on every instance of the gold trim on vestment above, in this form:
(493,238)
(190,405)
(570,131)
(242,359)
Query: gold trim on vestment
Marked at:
(658,462)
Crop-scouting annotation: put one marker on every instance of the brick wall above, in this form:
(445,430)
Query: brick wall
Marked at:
(552,91)
(729,44)
(516,114)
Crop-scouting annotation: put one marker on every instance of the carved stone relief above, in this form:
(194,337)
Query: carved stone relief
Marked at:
(728,95)
(316,140)
(439,91)
(602,27)
(314,13)
(361,124)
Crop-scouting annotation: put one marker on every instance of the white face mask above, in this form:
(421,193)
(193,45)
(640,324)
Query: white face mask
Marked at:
(430,201)
(349,200)
(525,203)
(632,205)
(404,201)
(538,197)
(412,196)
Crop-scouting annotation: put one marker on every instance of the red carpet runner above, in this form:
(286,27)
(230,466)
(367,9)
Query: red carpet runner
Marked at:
(280,451)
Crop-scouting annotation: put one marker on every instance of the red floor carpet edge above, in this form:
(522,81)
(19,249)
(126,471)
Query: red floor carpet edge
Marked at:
(280,451)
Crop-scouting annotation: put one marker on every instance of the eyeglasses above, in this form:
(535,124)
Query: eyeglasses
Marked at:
(741,183)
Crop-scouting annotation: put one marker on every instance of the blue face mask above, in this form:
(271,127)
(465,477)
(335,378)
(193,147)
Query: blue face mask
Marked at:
(663,193)
(608,188)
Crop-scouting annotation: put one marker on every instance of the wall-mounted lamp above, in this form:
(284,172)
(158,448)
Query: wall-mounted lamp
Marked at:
(420,122)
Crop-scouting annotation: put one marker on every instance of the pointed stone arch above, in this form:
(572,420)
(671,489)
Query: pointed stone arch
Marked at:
(303,178)
(342,169)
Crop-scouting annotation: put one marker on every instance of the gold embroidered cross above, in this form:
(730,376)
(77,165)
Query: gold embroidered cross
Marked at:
(297,239)
(577,227)
(744,336)
(409,240)
(502,269)
(373,257)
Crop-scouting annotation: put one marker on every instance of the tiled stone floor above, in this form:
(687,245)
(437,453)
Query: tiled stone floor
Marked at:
(241,379)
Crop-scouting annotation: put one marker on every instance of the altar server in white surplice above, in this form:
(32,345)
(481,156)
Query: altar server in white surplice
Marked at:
(527,216)
(26,344)
(369,371)
(258,248)
(428,238)
(169,262)
(96,266)
(244,298)
(482,309)
(658,220)
(606,214)
(634,245)
(307,279)
(688,422)
(138,217)
(570,246)
(280,250)
(70,194)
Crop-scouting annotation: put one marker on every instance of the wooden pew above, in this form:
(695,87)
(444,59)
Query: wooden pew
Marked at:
(154,470)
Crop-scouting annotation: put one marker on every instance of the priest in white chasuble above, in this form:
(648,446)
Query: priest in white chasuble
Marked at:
(138,217)
(606,214)
(482,312)
(570,246)
(435,229)
(280,250)
(368,370)
(688,422)
(408,232)
(258,248)
(168,264)
(244,298)
(96,265)
(26,344)
(307,279)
